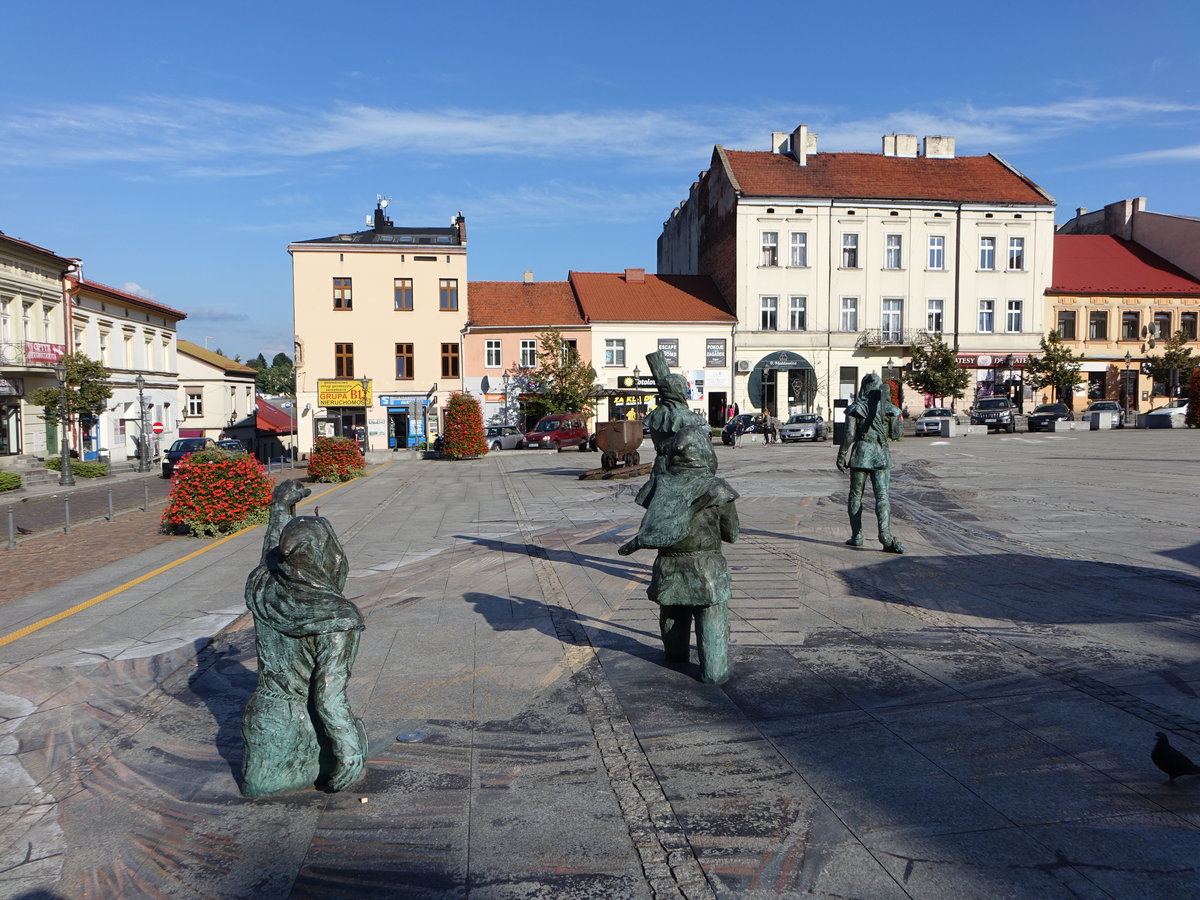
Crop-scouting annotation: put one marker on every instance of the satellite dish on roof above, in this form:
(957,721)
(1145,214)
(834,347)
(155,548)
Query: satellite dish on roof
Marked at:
(382,201)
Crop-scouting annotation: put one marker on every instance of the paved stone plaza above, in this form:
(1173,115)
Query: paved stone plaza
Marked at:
(970,720)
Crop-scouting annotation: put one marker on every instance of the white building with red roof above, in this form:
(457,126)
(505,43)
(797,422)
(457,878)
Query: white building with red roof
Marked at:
(838,263)
(1112,300)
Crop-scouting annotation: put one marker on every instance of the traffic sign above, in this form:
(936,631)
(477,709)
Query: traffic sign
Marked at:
(158,427)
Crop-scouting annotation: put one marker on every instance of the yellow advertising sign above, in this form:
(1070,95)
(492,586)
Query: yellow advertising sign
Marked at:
(343,392)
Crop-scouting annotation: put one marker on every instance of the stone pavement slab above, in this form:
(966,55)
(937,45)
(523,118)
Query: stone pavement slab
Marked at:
(972,719)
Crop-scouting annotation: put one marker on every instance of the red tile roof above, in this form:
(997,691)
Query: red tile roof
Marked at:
(269,417)
(609,297)
(131,298)
(517,304)
(1105,264)
(872,176)
(28,246)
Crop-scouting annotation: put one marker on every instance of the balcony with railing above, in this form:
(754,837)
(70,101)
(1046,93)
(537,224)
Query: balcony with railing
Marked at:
(892,337)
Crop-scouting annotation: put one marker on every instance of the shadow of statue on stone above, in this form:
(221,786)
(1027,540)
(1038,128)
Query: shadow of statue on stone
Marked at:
(691,511)
(224,684)
(298,729)
(871,421)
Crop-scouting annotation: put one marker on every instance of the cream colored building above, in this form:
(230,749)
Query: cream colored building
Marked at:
(33,337)
(130,336)
(839,262)
(215,396)
(386,308)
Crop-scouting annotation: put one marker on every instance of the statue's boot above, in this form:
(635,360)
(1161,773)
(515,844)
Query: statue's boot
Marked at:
(675,624)
(890,544)
(712,642)
(856,539)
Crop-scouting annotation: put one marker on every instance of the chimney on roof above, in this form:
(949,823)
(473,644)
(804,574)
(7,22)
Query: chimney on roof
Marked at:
(1080,210)
(939,147)
(635,276)
(900,145)
(779,142)
(803,144)
(529,276)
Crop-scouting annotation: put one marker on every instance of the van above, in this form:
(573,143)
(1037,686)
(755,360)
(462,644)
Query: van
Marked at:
(556,432)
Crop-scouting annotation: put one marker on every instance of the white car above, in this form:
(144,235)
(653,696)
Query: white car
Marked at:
(1176,408)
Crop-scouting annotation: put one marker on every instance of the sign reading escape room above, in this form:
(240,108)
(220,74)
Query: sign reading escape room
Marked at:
(343,392)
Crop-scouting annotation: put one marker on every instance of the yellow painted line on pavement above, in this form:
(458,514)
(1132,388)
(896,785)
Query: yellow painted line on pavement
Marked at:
(87,604)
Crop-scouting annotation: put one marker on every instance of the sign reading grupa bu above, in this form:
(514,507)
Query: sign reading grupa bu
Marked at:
(343,392)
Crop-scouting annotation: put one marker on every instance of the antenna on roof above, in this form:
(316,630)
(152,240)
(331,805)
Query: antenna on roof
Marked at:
(382,201)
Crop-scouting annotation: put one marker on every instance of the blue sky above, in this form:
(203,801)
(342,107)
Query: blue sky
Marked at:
(178,148)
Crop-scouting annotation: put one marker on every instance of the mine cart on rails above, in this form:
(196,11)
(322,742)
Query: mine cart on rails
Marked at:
(618,442)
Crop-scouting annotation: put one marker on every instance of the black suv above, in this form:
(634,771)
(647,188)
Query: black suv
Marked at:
(994,412)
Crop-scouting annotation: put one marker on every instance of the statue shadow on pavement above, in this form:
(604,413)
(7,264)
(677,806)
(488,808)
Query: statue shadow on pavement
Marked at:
(606,566)
(561,622)
(224,683)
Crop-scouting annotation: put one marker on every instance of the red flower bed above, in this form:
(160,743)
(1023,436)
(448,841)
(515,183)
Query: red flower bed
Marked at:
(214,492)
(464,428)
(335,459)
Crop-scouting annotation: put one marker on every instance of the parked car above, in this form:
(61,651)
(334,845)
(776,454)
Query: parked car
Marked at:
(1042,416)
(182,448)
(557,432)
(803,427)
(1175,408)
(233,446)
(749,426)
(503,437)
(994,412)
(930,421)
(1111,406)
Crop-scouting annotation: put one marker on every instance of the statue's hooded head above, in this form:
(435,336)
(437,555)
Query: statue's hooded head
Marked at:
(309,554)
(691,450)
(676,388)
(871,383)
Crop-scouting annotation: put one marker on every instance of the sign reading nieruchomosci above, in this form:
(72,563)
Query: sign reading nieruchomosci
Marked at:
(343,392)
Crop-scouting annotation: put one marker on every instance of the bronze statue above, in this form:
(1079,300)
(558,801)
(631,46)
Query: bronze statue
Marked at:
(298,729)
(871,421)
(690,514)
(664,420)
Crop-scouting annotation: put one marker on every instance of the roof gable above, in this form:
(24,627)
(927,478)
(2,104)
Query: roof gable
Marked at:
(520,304)
(204,355)
(614,297)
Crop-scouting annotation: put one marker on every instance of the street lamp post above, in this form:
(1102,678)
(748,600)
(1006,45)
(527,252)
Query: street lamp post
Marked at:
(637,404)
(65,477)
(143,447)
(1128,390)
(366,417)
(504,384)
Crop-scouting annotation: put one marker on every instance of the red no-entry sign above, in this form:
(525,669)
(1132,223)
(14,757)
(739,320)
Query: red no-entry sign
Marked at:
(158,427)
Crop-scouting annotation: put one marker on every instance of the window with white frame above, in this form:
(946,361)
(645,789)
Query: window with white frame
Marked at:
(893,245)
(4,320)
(934,312)
(104,336)
(849,251)
(1016,254)
(937,252)
(195,403)
(798,313)
(768,316)
(849,319)
(492,357)
(799,258)
(892,321)
(987,254)
(1013,322)
(614,351)
(987,316)
(528,354)
(770,248)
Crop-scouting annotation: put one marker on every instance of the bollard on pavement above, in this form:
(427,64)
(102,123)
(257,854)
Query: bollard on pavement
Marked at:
(67,514)
(12,530)
(146,496)
(109,517)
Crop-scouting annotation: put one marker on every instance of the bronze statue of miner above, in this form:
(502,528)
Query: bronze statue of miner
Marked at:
(871,421)
(689,514)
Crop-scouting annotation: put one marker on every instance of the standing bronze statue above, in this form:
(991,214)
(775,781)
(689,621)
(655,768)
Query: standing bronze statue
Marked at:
(871,421)
(690,513)
(298,729)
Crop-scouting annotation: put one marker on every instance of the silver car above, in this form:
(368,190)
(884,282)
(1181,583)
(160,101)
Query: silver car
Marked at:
(503,437)
(803,427)
(930,421)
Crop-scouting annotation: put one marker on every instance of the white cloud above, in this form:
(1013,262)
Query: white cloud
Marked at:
(132,287)
(1169,155)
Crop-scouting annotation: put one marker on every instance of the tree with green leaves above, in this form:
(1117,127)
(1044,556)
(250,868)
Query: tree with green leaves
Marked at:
(1176,357)
(562,382)
(935,371)
(277,378)
(1057,368)
(87,392)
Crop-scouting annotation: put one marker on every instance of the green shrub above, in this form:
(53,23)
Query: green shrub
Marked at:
(214,492)
(79,468)
(335,459)
(9,481)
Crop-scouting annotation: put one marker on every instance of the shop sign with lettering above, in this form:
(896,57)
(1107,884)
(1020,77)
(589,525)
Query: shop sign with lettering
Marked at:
(343,392)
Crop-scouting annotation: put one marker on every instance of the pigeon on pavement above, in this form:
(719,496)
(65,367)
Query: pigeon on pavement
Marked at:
(1171,760)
